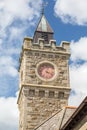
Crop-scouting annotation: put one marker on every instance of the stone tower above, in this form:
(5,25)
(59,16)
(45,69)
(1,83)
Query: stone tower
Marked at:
(44,77)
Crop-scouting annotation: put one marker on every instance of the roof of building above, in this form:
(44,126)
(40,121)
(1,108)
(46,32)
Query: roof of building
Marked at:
(77,116)
(43,25)
(57,120)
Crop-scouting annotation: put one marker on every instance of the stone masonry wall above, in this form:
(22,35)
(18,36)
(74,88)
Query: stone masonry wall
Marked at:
(39,99)
(37,105)
(33,58)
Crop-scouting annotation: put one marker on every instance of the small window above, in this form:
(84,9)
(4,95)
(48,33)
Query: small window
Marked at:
(63,57)
(43,55)
(30,53)
(41,93)
(33,65)
(56,56)
(51,94)
(50,56)
(31,93)
(61,95)
(36,54)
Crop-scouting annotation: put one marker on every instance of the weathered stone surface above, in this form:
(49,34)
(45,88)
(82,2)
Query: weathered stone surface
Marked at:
(39,99)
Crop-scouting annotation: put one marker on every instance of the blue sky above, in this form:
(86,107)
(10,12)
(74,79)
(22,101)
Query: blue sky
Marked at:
(18,19)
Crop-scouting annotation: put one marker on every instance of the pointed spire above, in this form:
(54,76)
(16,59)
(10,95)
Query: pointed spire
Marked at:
(43,29)
(43,25)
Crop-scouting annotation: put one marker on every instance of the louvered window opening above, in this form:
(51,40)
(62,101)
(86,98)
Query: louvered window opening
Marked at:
(45,36)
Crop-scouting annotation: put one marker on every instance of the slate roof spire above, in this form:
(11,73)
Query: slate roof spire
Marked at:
(43,30)
(43,25)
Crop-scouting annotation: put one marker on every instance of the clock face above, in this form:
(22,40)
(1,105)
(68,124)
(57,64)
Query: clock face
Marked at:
(46,70)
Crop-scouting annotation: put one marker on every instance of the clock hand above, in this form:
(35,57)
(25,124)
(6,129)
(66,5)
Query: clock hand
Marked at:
(48,72)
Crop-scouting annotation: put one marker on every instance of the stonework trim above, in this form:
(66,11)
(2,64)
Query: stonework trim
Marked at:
(42,86)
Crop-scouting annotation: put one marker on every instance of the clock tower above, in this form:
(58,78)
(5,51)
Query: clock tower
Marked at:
(44,77)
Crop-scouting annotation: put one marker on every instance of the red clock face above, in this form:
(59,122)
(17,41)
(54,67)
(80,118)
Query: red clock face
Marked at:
(46,70)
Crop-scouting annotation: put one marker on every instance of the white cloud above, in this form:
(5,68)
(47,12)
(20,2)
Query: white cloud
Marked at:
(78,77)
(22,9)
(8,66)
(13,11)
(78,70)
(79,49)
(72,11)
(77,98)
(8,113)
(15,33)
(11,51)
(16,18)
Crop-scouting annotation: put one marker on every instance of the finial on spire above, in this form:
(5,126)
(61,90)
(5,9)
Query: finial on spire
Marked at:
(44,4)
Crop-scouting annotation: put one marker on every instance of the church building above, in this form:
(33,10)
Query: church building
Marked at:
(44,86)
